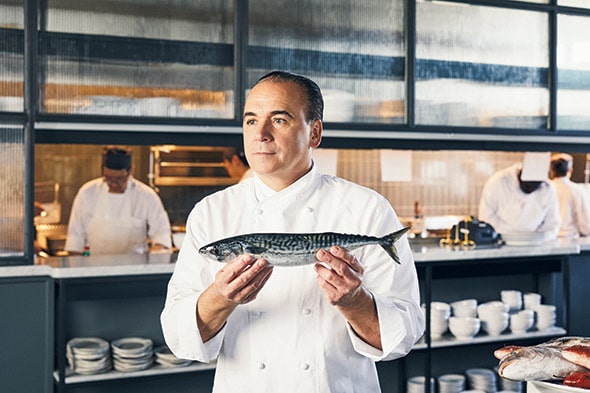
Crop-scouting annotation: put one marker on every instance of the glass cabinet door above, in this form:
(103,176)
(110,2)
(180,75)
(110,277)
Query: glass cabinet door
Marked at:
(353,50)
(12,186)
(11,56)
(163,58)
(573,72)
(481,66)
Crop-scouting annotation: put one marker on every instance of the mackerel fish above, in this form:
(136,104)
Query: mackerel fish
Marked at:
(295,249)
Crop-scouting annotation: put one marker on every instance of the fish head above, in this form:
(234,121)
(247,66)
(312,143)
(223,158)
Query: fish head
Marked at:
(222,252)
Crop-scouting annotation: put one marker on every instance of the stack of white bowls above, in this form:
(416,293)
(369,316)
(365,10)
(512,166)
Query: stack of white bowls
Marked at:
(417,384)
(531,299)
(521,321)
(512,298)
(464,328)
(439,318)
(451,383)
(546,316)
(481,379)
(494,317)
(464,308)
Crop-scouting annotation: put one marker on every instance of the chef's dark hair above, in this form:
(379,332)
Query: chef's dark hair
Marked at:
(560,167)
(116,157)
(315,101)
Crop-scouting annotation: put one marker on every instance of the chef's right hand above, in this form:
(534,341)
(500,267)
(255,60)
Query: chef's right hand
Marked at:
(241,280)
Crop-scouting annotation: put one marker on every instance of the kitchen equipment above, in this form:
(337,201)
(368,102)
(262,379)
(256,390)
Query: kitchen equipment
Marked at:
(190,166)
(47,194)
(474,232)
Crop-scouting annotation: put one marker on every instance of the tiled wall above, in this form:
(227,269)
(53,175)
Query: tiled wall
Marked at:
(444,182)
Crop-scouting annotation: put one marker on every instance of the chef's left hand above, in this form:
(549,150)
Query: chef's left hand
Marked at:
(342,281)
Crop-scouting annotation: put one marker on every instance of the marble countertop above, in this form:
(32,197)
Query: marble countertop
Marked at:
(121,265)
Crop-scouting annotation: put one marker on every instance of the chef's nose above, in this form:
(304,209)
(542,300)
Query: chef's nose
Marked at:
(263,130)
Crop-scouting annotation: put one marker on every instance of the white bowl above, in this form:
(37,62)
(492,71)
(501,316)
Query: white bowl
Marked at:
(530,299)
(512,298)
(464,327)
(464,308)
(492,309)
(521,321)
(494,327)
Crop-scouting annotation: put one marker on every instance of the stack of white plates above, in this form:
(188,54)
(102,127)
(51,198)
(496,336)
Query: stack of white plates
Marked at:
(524,238)
(481,379)
(511,386)
(417,384)
(451,383)
(132,354)
(166,358)
(88,355)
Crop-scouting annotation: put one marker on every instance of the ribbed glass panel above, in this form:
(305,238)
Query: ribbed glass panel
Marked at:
(12,185)
(171,58)
(354,51)
(573,72)
(481,66)
(11,56)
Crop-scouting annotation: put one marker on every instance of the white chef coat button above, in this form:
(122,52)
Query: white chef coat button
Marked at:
(261,366)
(256,313)
(306,311)
(310,209)
(259,211)
(304,366)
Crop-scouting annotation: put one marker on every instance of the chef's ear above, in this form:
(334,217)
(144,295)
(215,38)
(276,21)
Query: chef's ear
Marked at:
(315,134)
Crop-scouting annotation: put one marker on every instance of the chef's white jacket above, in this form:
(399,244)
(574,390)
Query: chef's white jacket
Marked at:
(574,206)
(290,338)
(145,207)
(509,210)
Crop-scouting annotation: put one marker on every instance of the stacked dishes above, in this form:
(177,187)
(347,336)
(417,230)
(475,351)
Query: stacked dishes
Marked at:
(522,321)
(494,317)
(524,238)
(531,299)
(439,318)
(165,358)
(417,385)
(464,328)
(512,298)
(451,383)
(88,355)
(481,379)
(546,316)
(132,354)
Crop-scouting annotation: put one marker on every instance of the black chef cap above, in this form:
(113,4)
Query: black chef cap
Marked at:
(116,157)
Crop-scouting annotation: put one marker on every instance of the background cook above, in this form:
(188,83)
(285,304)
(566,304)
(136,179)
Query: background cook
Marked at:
(116,214)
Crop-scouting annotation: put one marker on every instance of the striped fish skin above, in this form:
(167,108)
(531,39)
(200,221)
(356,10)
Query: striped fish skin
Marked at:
(295,249)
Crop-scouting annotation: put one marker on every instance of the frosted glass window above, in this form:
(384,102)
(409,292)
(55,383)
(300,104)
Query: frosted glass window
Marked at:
(481,66)
(11,56)
(574,3)
(12,185)
(170,58)
(573,72)
(353,50)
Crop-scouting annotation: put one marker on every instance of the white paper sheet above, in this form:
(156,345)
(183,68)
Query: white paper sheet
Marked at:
(396,165)
(535,166)
(326,160)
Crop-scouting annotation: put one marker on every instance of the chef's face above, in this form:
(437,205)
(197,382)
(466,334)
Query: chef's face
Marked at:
(278,140)
(116,179)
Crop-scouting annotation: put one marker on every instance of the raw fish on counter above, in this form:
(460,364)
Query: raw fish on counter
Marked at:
(295,249)
(565,358)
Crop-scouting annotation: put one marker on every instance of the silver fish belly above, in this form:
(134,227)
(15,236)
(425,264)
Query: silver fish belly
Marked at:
(295,249)
(540,363)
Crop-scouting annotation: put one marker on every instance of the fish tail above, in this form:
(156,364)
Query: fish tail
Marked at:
(388,243)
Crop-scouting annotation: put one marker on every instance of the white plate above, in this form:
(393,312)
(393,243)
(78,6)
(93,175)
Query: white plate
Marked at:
(553,387)
(524,238)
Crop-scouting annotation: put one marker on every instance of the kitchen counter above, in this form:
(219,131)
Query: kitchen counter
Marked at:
(117,265)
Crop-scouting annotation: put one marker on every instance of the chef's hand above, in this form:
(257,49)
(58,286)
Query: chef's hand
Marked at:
(158,248)
(340,276)
(238,282)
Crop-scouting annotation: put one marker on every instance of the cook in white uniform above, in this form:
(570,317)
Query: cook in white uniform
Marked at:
(574,203)
(115,214)
(292,329)
(512,205)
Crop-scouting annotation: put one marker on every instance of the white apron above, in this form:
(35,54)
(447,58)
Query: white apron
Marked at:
(112,230)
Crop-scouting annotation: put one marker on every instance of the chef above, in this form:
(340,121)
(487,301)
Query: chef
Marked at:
(116,214)
(574,203)
(512,202)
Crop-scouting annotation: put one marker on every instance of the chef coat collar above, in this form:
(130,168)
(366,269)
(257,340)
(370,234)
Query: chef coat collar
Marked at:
(264,192)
